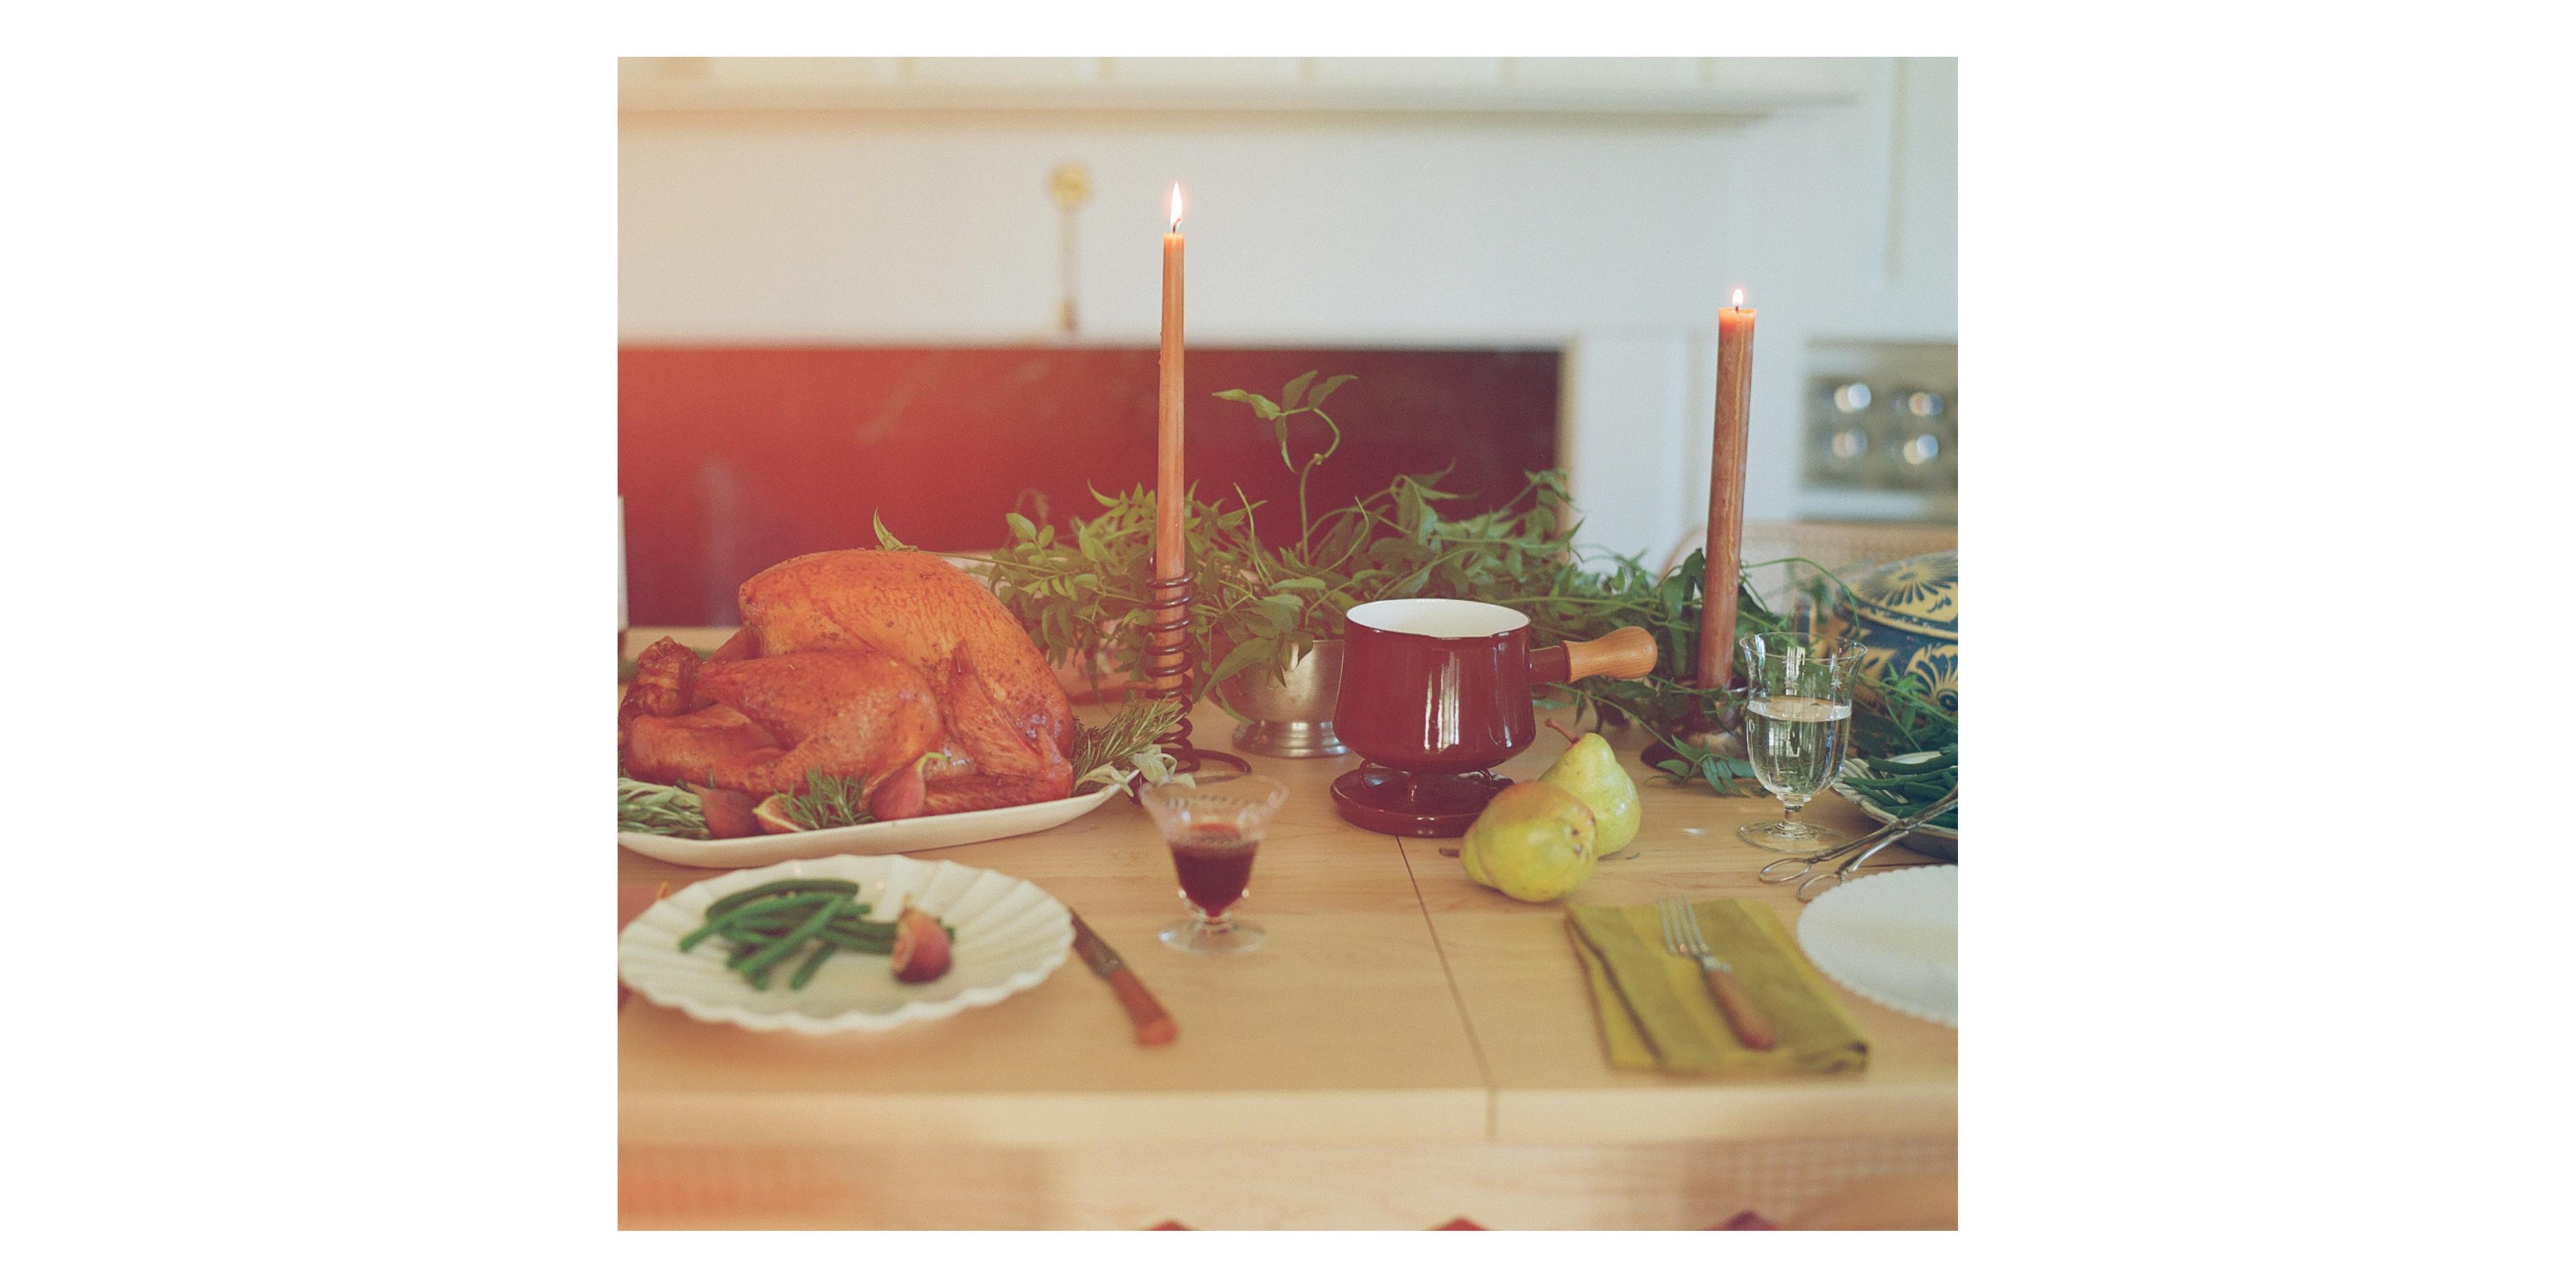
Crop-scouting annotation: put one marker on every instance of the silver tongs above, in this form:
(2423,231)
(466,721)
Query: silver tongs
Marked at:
(1838,866)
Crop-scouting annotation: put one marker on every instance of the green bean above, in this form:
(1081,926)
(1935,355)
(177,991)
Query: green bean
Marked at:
(872,947)
(857,934)
(855,926)
(769,922)
(827,933)
(759,962)
(740,897)
(771,919)
(1900,800)
(1922,791)
(805,972)
(1879,794)
(1926,776)
(1907,799)
(752,912)
(1912,791)
(862,930)
(774,904)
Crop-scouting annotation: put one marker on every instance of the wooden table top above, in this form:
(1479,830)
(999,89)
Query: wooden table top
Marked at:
(1395,1001)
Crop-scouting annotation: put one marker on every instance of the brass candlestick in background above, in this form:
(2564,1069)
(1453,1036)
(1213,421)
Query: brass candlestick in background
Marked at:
(1070,185)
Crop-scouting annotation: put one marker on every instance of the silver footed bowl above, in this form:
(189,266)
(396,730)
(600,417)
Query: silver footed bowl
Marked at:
(1291,718)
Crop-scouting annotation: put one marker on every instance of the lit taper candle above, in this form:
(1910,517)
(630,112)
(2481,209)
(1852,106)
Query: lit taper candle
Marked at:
(1726,495)
(1170,558)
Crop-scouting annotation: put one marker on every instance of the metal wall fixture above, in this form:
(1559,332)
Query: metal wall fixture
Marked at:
(1883,418)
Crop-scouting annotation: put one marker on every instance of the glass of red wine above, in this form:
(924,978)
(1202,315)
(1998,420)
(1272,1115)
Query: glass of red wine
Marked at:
(1213,828)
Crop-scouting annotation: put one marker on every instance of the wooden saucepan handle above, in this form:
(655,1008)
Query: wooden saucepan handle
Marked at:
(1627,653)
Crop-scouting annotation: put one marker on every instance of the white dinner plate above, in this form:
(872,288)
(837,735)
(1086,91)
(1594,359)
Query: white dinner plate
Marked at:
(893,836)
(1892,938)
(1938,842)
(1011,935)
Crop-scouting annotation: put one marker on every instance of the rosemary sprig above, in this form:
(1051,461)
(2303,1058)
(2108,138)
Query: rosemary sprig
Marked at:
(660,810)
(1124,747)
(827,800)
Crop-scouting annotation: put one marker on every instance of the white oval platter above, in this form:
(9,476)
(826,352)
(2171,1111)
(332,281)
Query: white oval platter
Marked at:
(893,836)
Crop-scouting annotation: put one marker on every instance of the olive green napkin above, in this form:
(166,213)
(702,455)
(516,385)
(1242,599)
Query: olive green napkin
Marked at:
(1655,1008)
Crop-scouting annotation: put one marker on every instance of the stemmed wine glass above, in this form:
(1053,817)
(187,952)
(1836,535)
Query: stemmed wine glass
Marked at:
(1797,727)
(1213,828)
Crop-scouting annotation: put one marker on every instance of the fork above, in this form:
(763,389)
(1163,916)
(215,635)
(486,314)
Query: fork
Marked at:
(1682,939)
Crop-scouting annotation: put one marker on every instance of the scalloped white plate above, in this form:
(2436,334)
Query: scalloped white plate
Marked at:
(1892,938)
(1011,935)
(894,836)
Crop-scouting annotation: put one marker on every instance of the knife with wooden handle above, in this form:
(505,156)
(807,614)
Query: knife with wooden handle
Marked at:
(1154,1026)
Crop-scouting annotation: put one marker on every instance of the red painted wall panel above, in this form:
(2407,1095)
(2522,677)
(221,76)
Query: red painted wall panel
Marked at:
(732,459)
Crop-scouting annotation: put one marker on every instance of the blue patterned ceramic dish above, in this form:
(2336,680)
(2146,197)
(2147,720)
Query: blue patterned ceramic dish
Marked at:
(1907,622)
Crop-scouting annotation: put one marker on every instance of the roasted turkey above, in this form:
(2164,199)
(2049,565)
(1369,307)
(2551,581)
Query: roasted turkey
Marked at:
(858,663)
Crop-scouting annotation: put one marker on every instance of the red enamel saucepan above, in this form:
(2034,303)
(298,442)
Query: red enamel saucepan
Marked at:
(1435,692)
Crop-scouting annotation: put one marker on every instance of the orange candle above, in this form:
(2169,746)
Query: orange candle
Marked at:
(1171,558)
(1726,495)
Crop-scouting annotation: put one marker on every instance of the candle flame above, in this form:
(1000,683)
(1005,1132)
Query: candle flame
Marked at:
(1739,297)
(1176,207)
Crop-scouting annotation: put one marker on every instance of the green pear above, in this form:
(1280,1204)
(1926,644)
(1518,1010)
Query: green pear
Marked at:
(1533,842)
(1591,771)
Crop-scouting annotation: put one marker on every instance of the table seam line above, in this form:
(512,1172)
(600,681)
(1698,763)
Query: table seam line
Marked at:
(1475,1044)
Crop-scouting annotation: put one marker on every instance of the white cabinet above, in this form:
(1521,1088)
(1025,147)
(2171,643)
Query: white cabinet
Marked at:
(1606,75)
(1406,73)
(1668,87)
(1203,73)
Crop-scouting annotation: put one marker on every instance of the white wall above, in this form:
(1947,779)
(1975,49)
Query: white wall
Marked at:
(1616,238)
(1813,216)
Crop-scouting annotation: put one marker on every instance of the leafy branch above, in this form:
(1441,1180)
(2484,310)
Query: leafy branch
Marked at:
(1081,587)
(1300,396)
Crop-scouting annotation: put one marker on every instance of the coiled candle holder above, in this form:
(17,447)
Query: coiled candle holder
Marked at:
(1167,667)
